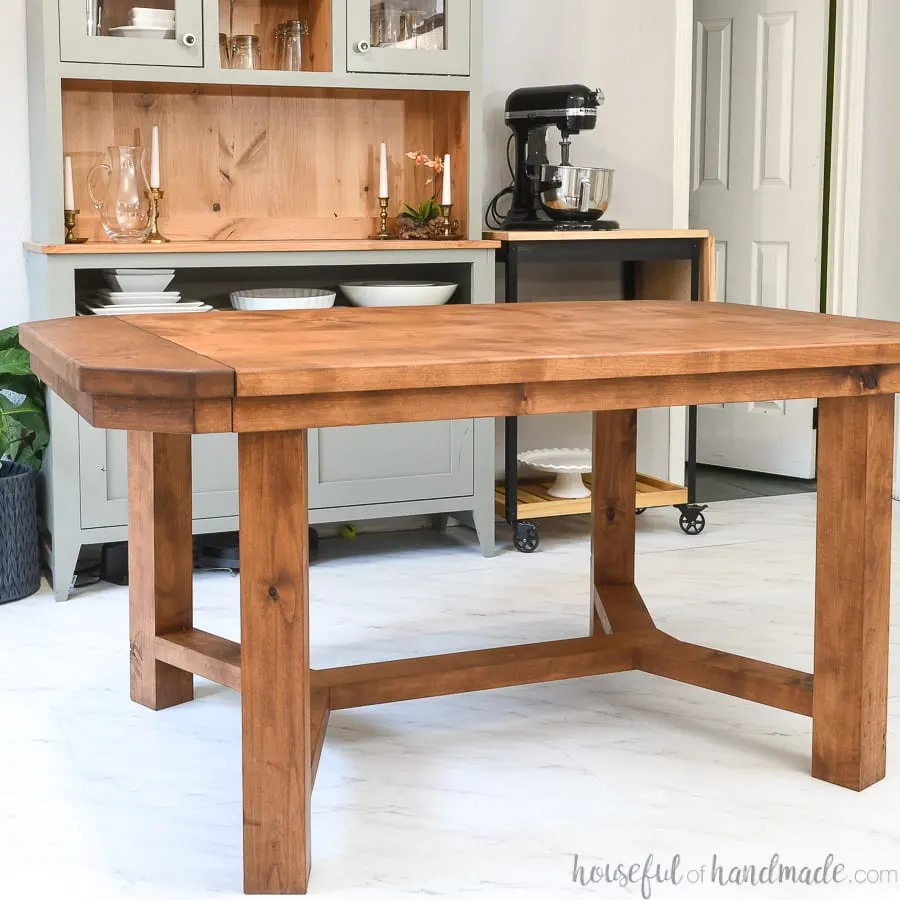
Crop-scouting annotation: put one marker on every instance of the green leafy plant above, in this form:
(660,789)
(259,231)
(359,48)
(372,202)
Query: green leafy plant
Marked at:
(24,429)
(424,213)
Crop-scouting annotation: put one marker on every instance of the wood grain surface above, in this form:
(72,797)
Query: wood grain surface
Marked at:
(853,587)
(265,163)
(261,246)
(340,350)
(275,678)
(160,562)
(108,355)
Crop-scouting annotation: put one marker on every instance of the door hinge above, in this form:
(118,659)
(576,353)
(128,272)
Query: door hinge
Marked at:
(815,418)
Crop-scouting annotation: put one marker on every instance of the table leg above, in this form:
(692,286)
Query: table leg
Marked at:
(853,569)
(615,603)
(160,562)
(275,680)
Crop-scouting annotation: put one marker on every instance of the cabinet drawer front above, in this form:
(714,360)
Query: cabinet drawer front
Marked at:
(391,463)
(104,476)
(455,37)
(185,49)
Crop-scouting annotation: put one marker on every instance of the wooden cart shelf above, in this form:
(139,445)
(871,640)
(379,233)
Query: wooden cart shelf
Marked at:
(536,503)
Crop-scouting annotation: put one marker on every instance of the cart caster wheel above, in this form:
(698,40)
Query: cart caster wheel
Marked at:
(641,511)
(692,521)
(527,539)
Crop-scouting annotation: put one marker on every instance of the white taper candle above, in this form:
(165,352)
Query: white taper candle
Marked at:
(154,158)
(448,183)
(69,185)
(384,190)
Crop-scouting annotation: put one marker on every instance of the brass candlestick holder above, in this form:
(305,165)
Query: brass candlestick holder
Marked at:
(384,234)
(450,228)
(71,219)
(156,195)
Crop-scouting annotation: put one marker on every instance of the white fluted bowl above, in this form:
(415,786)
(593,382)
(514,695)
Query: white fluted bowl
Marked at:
(279,299)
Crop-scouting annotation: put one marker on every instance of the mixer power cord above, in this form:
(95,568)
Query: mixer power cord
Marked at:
(492,216)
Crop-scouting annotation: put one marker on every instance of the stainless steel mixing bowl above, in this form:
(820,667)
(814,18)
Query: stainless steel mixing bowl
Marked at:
(573,194)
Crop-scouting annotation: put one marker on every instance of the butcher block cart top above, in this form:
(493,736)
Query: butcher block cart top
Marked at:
(270,376)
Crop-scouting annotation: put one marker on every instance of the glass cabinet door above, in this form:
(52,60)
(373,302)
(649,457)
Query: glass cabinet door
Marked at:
(415,37)
(132,32)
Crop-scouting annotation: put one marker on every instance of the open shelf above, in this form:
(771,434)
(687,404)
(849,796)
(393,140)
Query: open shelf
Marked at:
(536,503)
(262,17)
(242,163)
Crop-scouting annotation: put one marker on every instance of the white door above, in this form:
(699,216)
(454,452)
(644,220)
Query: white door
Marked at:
(758,179)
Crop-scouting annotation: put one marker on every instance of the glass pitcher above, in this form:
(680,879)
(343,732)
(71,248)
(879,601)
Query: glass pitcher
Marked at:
(124,204)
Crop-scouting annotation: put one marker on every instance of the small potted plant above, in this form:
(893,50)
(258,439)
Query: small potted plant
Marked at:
(423,221)
(24,435)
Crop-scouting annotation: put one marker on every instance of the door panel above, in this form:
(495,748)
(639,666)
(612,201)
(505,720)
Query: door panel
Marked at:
(391,463)
(104,476)
(185,48)
(758,176)
(412,37)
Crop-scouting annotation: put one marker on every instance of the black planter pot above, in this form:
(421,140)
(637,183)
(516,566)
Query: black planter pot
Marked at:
(20,566)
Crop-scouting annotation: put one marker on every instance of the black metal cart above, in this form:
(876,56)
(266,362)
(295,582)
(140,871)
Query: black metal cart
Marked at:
(635,251)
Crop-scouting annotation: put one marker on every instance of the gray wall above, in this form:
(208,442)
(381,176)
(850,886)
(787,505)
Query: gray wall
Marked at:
(879,281)
(15,221)
(627,50)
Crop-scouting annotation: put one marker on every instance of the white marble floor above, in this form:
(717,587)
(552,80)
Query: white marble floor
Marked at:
(487,795)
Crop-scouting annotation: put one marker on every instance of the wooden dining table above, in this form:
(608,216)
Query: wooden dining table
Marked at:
(271,376)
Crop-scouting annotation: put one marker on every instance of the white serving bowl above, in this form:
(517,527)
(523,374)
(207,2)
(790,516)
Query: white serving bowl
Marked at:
(144,32)
(144,281)
(155,16)
(399,293)
(278,299)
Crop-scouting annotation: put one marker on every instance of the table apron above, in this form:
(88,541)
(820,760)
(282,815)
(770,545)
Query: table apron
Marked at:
(256,414)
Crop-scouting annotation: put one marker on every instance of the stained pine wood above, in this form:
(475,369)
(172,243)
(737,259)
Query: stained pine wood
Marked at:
(160,562)
(726,673)
(853,569)
(618,608)
(613,510)
(207,655)
(624,234)
(480,670)
(318,726)
(275,679)
(243,163)
(256,246)
(432,404)
(108,355)
(348,350)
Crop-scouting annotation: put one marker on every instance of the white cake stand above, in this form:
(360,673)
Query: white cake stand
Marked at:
(568,466)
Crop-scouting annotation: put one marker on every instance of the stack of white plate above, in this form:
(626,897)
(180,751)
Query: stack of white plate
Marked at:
(148,24)
(278,299)
(133,303)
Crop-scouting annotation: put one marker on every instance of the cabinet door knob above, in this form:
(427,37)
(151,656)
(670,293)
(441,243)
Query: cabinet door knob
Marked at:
(363,47)
(189,40)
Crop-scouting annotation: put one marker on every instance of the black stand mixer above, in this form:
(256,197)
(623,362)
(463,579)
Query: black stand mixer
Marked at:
(544,196)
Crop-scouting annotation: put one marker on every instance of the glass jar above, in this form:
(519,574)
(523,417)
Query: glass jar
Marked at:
(293,34)
(245,52)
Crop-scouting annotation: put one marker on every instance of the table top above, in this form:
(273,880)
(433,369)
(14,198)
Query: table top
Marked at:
(234,354)
(622,234)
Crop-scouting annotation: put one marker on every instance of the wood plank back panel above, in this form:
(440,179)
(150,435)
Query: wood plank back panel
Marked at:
(256,163)
(344,350)
(853,574)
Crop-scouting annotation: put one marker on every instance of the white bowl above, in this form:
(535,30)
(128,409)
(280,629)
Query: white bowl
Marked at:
(278,299)
(399,293)
(156,16)
(134,298)
(145,281)
(161,33)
